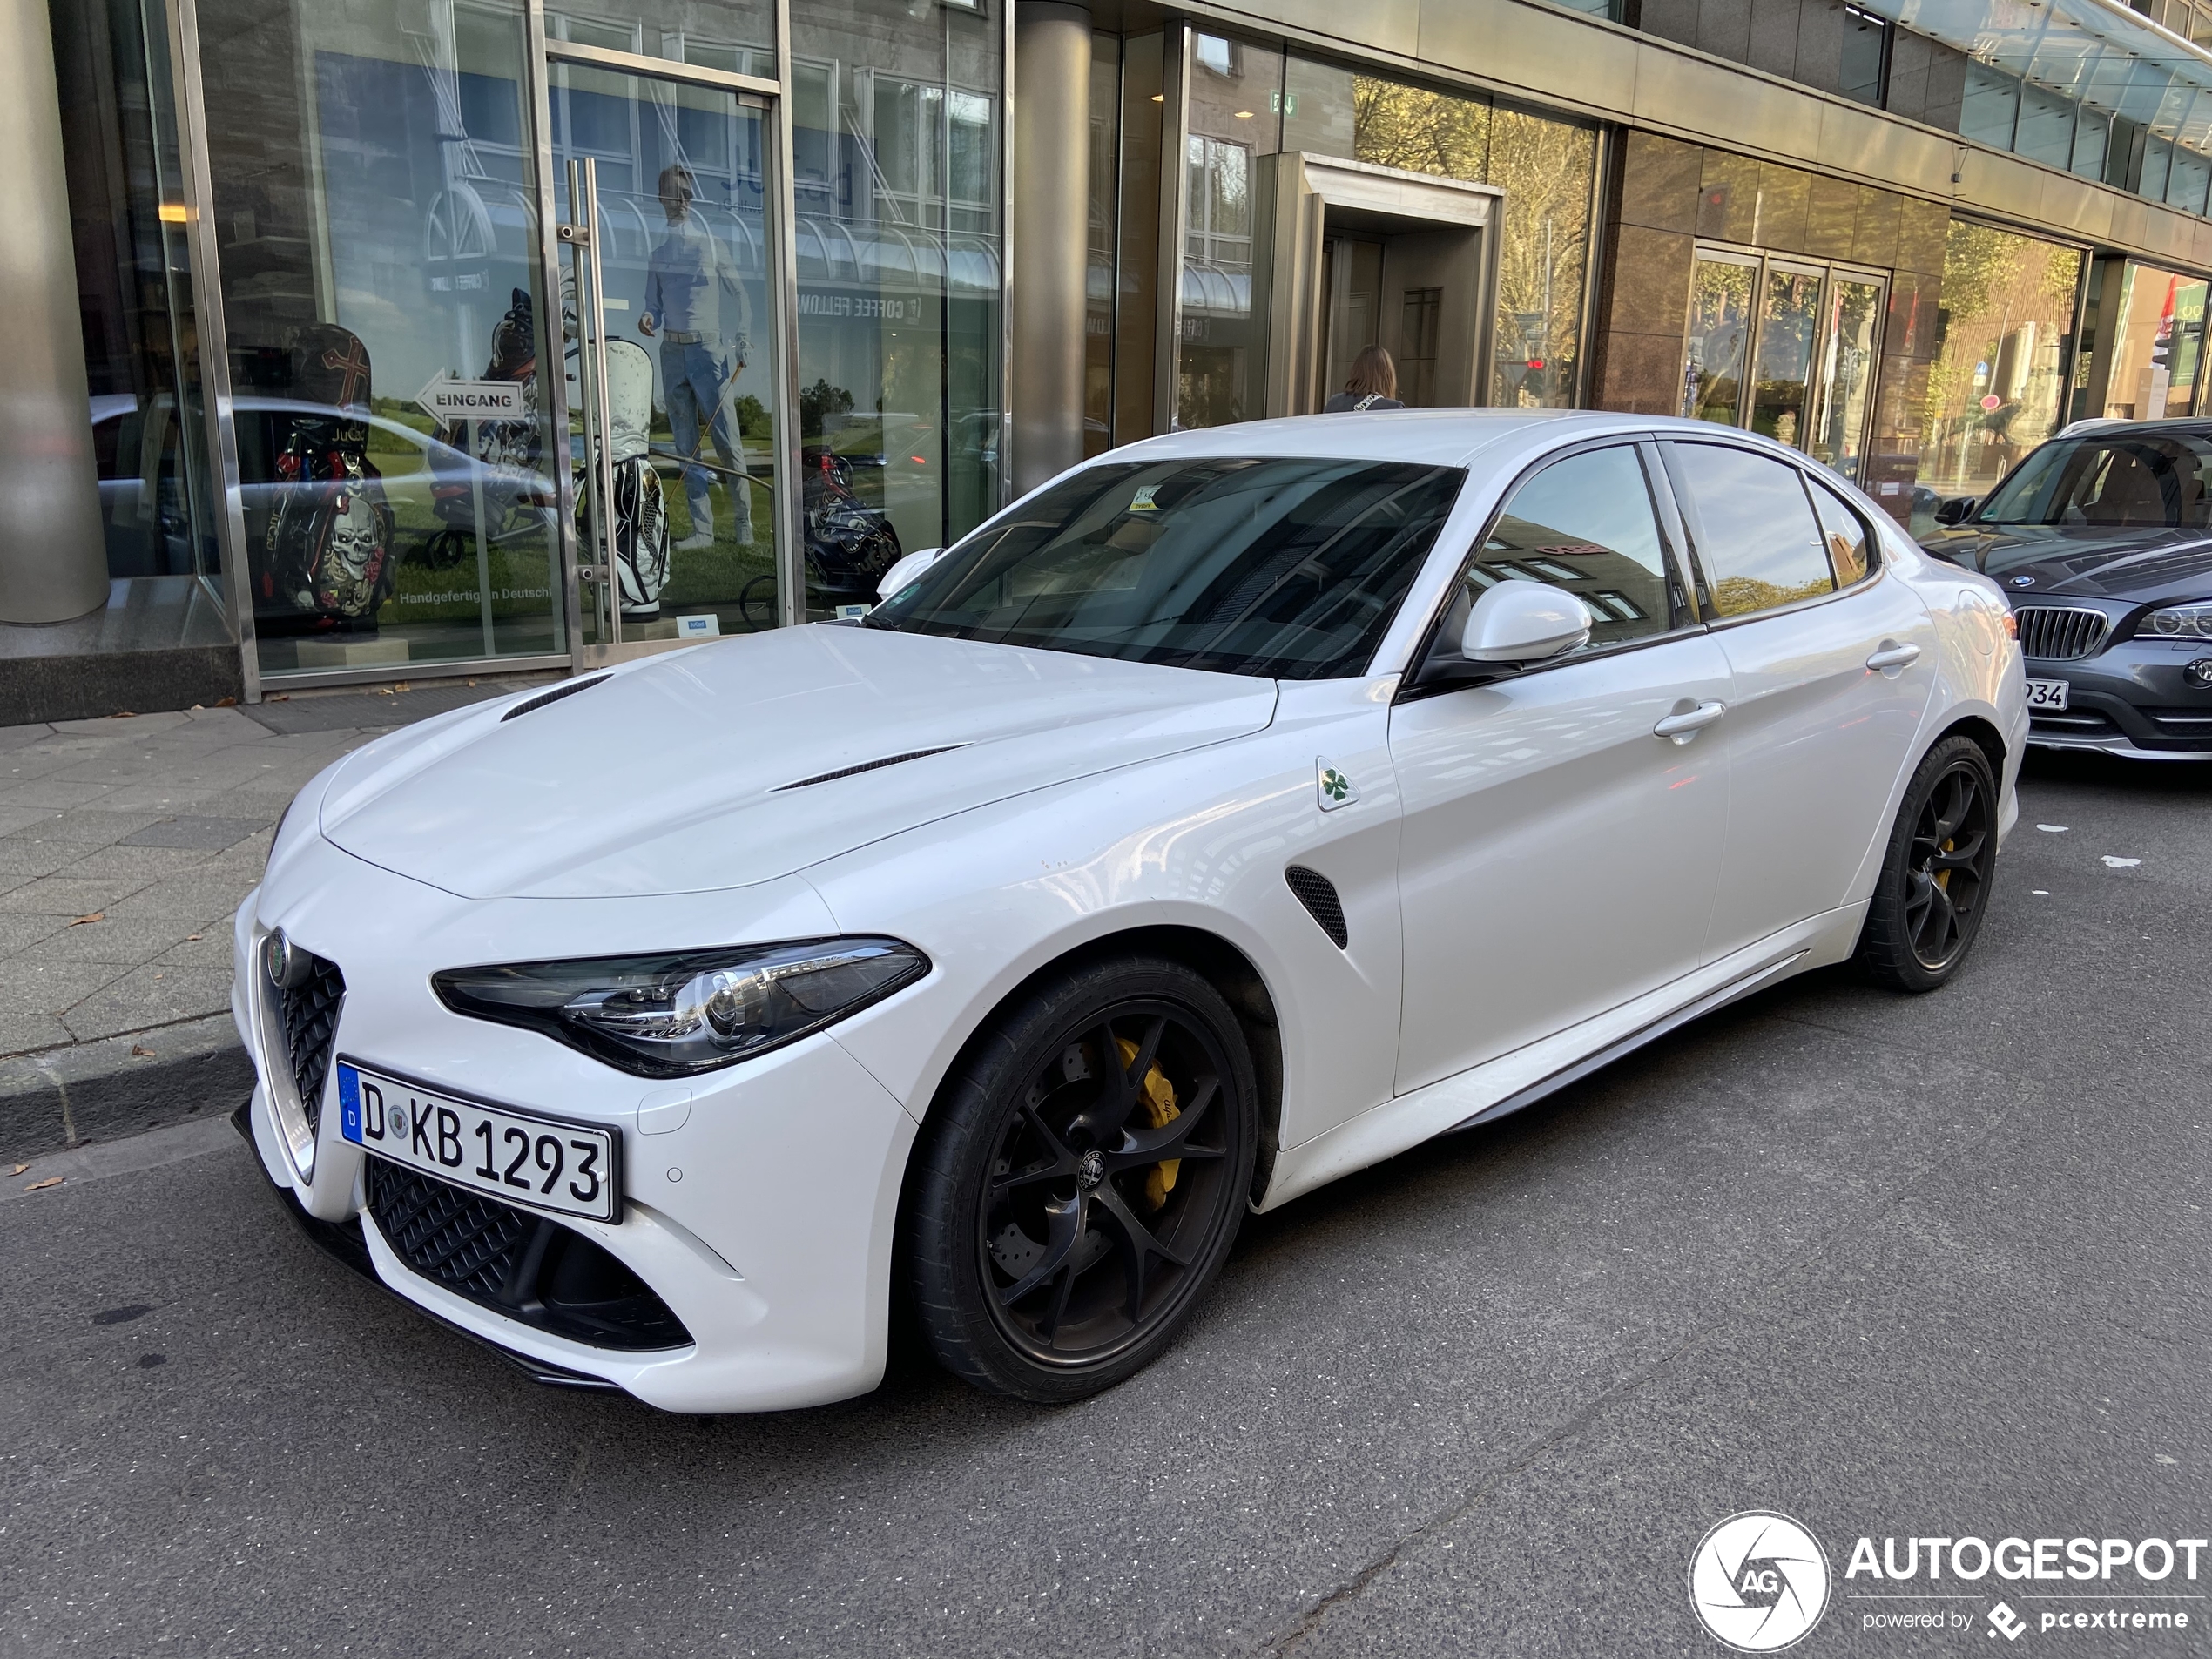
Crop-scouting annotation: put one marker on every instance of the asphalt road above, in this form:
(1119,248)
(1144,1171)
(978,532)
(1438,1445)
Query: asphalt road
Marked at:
(1891,1266)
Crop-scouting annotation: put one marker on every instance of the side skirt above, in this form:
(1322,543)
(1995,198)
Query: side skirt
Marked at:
(1491,1090)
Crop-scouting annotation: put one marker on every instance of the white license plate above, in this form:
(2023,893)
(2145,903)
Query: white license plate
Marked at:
(2046,694)
(570,1169)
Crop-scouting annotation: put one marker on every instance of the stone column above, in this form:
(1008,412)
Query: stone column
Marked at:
(1050,156)
(53,553)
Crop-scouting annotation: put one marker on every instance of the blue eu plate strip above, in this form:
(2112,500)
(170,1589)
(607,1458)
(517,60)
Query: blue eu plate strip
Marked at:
(349,1103)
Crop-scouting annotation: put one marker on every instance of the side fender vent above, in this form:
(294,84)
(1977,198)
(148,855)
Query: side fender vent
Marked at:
(866,765)
(1318,894)
(553,695)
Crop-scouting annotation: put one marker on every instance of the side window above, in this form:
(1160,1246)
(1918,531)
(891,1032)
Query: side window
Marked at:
(1585,524)
(1850,548)
(1759,543)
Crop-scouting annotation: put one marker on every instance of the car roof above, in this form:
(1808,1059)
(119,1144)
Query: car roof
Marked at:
(1435,437)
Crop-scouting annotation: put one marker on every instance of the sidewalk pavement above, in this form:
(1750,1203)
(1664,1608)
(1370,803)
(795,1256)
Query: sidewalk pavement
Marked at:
(125,845)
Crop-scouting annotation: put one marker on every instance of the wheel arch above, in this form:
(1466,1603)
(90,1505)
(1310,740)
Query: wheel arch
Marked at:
(1985,735)
(1222,964)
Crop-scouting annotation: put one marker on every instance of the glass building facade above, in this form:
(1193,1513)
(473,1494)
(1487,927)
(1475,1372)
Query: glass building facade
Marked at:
(429,337)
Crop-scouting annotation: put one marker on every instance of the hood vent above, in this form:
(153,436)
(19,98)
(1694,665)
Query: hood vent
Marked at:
(553,695)
(1318,894)
(866,765)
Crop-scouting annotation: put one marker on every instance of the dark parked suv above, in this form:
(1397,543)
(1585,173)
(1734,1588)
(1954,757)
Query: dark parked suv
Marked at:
(2101,539)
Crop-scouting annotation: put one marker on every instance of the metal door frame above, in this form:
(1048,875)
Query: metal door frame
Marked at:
(1760,261)
(784,517)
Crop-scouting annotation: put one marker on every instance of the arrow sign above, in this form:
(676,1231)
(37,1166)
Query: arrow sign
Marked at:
(447,398)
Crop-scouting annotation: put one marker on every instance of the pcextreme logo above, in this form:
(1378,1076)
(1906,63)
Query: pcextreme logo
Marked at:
(1759,1581)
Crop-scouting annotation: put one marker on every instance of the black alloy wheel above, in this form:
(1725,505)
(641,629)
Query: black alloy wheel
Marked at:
(1081,1180)
(1933,888)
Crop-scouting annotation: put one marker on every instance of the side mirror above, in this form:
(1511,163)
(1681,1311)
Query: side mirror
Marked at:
(1956,511)
(1524,622)
(905,570)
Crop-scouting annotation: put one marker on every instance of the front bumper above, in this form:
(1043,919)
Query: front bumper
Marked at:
(2136,698)
(763,1221)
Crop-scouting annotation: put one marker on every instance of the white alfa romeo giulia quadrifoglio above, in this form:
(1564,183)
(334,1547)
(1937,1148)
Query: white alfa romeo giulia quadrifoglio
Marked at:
(1239,809)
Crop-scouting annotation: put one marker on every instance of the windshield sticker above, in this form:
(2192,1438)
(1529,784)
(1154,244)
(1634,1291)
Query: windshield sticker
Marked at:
(1143,501)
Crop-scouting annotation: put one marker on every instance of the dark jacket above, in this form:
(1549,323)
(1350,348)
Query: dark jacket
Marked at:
(1348,403)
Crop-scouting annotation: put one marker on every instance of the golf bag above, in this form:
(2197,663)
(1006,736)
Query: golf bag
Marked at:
(849,543)
(640,511)
(327,551)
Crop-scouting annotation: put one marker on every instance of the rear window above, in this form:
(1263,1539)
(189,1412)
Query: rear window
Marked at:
(1284,567)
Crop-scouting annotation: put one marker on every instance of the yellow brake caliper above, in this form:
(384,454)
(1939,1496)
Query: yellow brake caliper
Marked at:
(1943,877)
(1156,1096)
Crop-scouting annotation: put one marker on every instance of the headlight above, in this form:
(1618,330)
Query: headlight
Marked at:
(671,1017)
(2178,621)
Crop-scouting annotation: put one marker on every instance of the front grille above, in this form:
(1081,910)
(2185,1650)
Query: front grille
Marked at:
(526,1267)
(2056,635)
(461,1238)
(1318,894)
(309,1012)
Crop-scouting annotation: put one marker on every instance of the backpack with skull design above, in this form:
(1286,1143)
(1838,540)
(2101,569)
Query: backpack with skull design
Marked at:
(329,545)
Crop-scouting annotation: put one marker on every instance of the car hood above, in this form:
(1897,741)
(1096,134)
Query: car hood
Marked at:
(2031,561)
(678,774)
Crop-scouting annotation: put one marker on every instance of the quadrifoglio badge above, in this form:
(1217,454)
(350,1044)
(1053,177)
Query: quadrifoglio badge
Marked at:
(1760,1582)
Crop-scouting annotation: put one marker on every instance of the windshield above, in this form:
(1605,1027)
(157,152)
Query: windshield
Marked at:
(1284,567)
(2144,480)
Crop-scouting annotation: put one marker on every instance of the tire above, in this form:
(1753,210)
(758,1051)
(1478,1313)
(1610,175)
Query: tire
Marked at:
(1081,1268)
(1933,888)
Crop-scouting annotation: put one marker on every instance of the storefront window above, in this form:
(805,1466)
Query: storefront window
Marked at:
(375,211)
(896,112)
(2158,345)
(1995,388)
(1234,133)
(1548,170)
(129,212)
(1104,214)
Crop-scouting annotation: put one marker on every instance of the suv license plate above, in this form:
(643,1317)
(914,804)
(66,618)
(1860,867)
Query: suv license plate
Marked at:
(2046,694)
(569,1169)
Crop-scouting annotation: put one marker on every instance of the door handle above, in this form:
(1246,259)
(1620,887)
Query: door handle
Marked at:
(1892,655)
(1687,725)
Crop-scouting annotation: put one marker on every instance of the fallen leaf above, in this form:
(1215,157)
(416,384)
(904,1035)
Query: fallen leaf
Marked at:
(124,714)
(50,1181)
(98,915)
(227,703)
(196,709)
(383,690)
(287,698)
(144,1054)
(189,938)
(18,1169)
(402,686)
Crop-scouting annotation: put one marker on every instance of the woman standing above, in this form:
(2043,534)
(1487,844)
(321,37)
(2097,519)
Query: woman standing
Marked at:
(1373,385)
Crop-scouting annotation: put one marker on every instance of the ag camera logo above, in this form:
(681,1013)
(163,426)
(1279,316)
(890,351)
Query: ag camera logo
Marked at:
(1759,1581)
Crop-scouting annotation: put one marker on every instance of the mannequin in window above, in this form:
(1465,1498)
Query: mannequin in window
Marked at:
(700,311)
(1373,385)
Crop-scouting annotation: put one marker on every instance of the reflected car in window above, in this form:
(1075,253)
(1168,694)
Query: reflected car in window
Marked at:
(2101,541)
(1240,809)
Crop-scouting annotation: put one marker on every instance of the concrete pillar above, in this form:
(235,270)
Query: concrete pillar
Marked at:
(1051,232)
(53,554)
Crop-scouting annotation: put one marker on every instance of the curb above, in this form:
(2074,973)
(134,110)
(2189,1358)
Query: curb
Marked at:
(100,1091)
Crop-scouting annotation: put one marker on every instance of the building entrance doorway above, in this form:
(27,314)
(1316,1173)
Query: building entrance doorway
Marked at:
(1413,292)
(1375,256)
